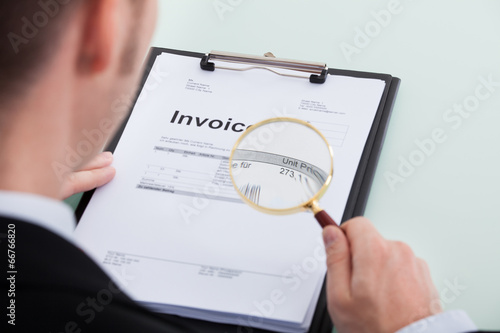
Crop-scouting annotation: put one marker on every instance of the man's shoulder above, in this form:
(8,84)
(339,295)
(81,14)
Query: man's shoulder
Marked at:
(46,257)
(55,286)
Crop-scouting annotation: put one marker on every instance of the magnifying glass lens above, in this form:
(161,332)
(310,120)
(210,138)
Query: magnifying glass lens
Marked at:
(281,165)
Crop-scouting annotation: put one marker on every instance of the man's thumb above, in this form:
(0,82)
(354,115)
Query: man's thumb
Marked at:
(338,257)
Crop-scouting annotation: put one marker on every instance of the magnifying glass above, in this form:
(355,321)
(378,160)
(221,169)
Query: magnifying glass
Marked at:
(283,166)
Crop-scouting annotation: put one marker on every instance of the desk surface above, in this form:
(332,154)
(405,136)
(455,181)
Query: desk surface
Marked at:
(445,203)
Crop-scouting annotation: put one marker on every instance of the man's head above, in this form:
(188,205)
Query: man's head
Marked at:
(68,70)
(29,33)
(32,31)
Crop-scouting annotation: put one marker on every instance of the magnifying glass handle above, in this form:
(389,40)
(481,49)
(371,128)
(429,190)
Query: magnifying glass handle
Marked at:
(324,219)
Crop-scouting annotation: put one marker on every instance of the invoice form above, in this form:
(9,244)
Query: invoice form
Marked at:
(170,227)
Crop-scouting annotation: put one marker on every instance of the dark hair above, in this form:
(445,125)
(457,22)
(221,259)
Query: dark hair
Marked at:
(29,32)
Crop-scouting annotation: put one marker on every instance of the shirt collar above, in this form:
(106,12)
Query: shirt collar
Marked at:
(42,211)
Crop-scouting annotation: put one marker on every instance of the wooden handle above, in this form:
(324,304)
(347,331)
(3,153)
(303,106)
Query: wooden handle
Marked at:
(324,219)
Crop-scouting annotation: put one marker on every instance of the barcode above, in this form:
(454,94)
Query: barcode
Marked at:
(252,192)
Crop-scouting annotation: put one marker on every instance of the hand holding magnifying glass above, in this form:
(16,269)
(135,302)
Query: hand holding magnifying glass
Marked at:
(283,166)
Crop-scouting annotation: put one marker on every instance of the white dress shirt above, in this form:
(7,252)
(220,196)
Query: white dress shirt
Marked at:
(47,213)
(58,217)
(453,321)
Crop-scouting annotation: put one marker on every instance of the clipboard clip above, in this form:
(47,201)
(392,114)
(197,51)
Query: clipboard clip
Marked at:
(317,71)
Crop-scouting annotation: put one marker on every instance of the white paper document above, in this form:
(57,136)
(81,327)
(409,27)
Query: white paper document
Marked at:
(170,227)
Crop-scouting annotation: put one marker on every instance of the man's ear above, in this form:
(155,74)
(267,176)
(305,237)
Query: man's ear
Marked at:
(99,35)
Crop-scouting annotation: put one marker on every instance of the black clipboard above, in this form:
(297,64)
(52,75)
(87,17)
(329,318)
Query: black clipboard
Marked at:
(358,196)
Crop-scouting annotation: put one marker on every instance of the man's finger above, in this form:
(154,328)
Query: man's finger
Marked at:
(367,245)
(338,261)
(100,161)
(358,230)
(87,180)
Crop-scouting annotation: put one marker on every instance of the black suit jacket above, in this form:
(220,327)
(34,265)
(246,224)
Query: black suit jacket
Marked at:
(58,288)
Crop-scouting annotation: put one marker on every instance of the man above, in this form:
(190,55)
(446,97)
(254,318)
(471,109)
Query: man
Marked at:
(63,64)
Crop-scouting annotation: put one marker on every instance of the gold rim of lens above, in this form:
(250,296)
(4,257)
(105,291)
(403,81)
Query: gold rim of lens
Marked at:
(313,202)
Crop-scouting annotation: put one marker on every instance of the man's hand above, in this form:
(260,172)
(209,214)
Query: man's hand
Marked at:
(96,173)
(375,285)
